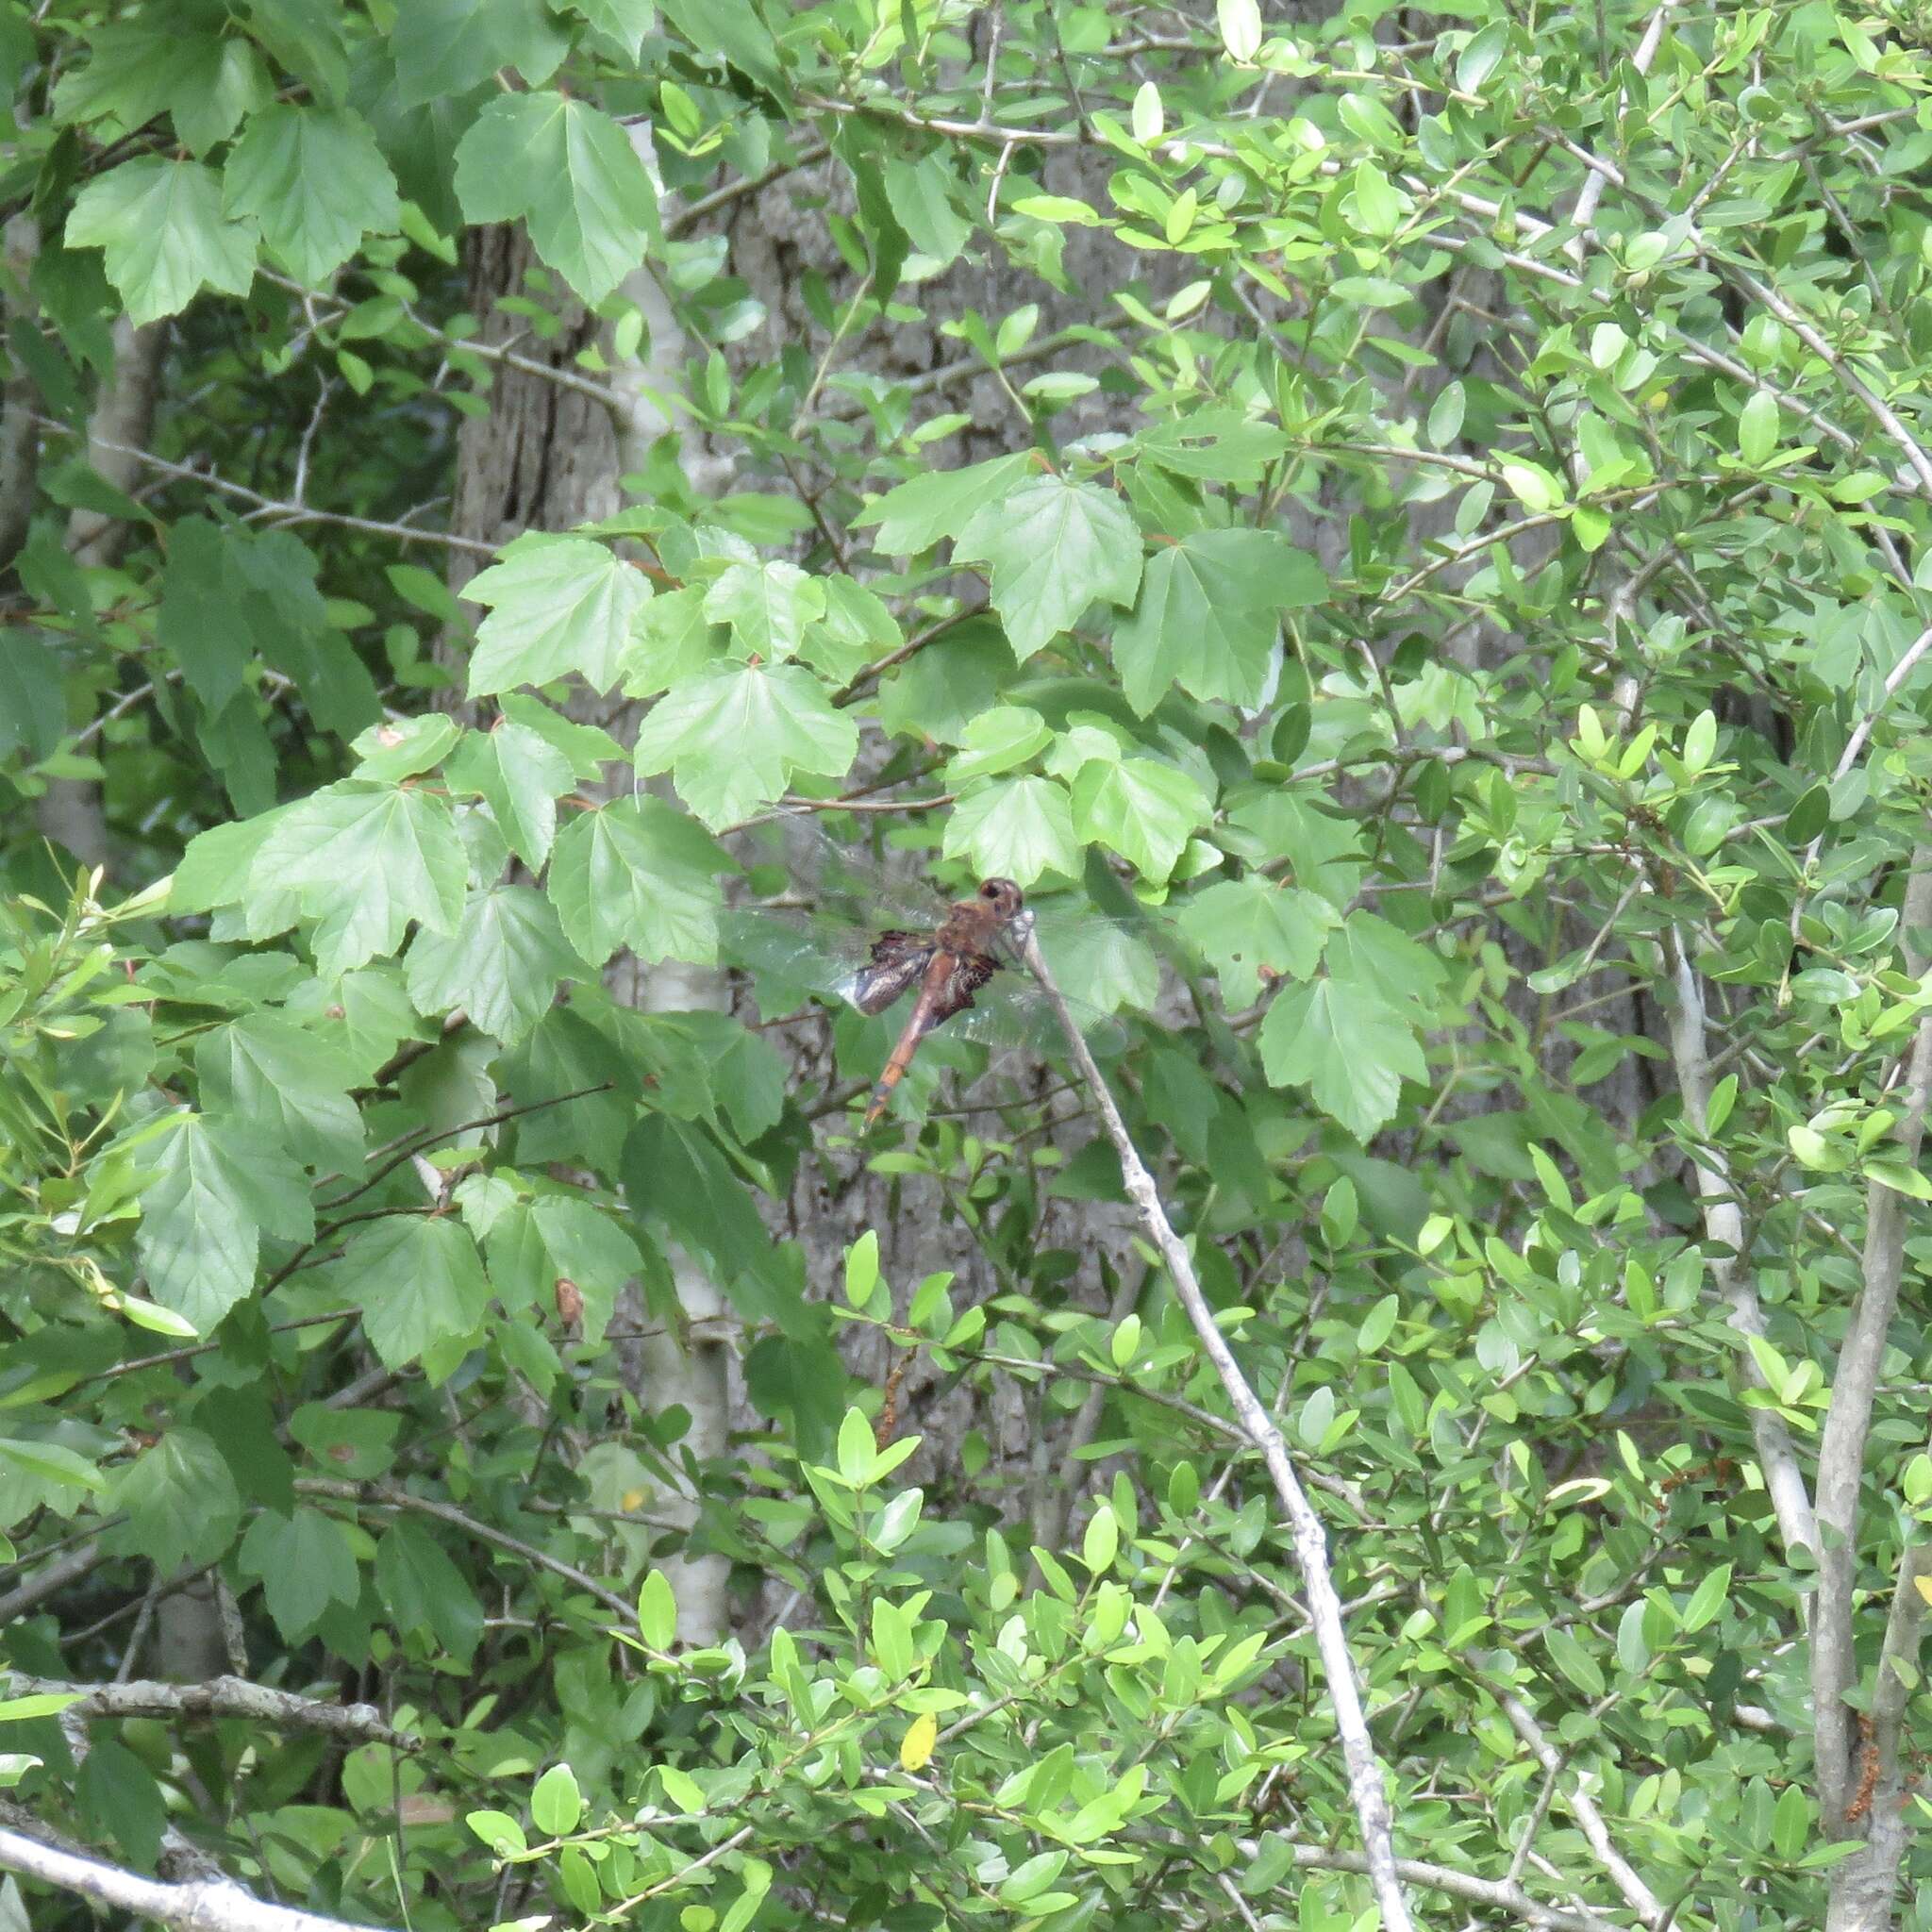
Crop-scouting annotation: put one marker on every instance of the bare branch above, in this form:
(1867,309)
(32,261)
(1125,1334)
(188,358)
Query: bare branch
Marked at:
(200,1906)
(380,1496)
(51,1581)
(1596,177)
(1582,1807)
(1723,1226)
(273,507)
(1498,1895)
(1854,1390)
(1367,1789)
(220,1697)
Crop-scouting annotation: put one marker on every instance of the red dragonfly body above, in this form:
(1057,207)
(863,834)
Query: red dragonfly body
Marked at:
(948,965)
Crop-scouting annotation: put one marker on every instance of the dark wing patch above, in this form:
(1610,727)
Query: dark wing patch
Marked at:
(970,971)
(897,960)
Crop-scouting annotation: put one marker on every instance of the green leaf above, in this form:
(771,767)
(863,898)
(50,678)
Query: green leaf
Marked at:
(180,1502)
(767,606)
(163,235)
(569,173)
(857,1451)
(638,873)
(1347,1045)
(389,753)
(622,20)
(921,199)
(140,68)
(1145,809)
(1102,1541)
(229,592)
(306,36)
(450,46)
(657,1610)
(1707,1599)
(1900,1178)
(214,870)
(520,777)
(424,1593)
(317,184)
(52,1467)
(292,1085)
(1378,206)
(732,30)
(419,1281)
(675,1173)
(1480,57)
(1575,1662)
(197,619)
(219,1183)
(1015,828)
(1253,933)
(1053,546)
(556,1803)
(1224,445)
(530,1248)
(588,747)
(365,859)
(1758,427)
(1206,618)
(305,1563)
(501,964)
(913,517)
(733,739)
(559,605)
(996,741)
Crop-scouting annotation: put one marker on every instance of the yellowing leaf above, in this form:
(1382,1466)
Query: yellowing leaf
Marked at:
(915,1748)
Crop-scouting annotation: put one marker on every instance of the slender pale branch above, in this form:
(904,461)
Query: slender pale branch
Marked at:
(1723,1226)
(1498,1895)
(1853,1391)
(274,507)
(1367,1789)
(200,1906)
(1582,1807)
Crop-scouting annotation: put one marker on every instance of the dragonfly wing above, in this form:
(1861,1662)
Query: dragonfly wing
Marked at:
(890,971)
(1014,1015)
(799,952)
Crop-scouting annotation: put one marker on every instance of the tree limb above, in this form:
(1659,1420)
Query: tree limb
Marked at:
(1723,1226)
(1367,1790)
(1854,1390)
(219,1697)
(1498,1895)
(200,1906)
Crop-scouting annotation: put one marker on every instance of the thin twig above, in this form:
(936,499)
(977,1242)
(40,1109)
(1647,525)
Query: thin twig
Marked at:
(1365,1775)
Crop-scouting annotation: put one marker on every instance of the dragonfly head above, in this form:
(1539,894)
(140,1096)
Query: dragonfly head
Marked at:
(1003,896)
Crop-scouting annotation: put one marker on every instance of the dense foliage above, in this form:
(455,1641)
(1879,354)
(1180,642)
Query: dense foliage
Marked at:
(1420,519)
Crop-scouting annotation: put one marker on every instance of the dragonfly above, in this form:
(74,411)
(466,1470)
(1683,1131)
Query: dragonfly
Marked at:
(855,934)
